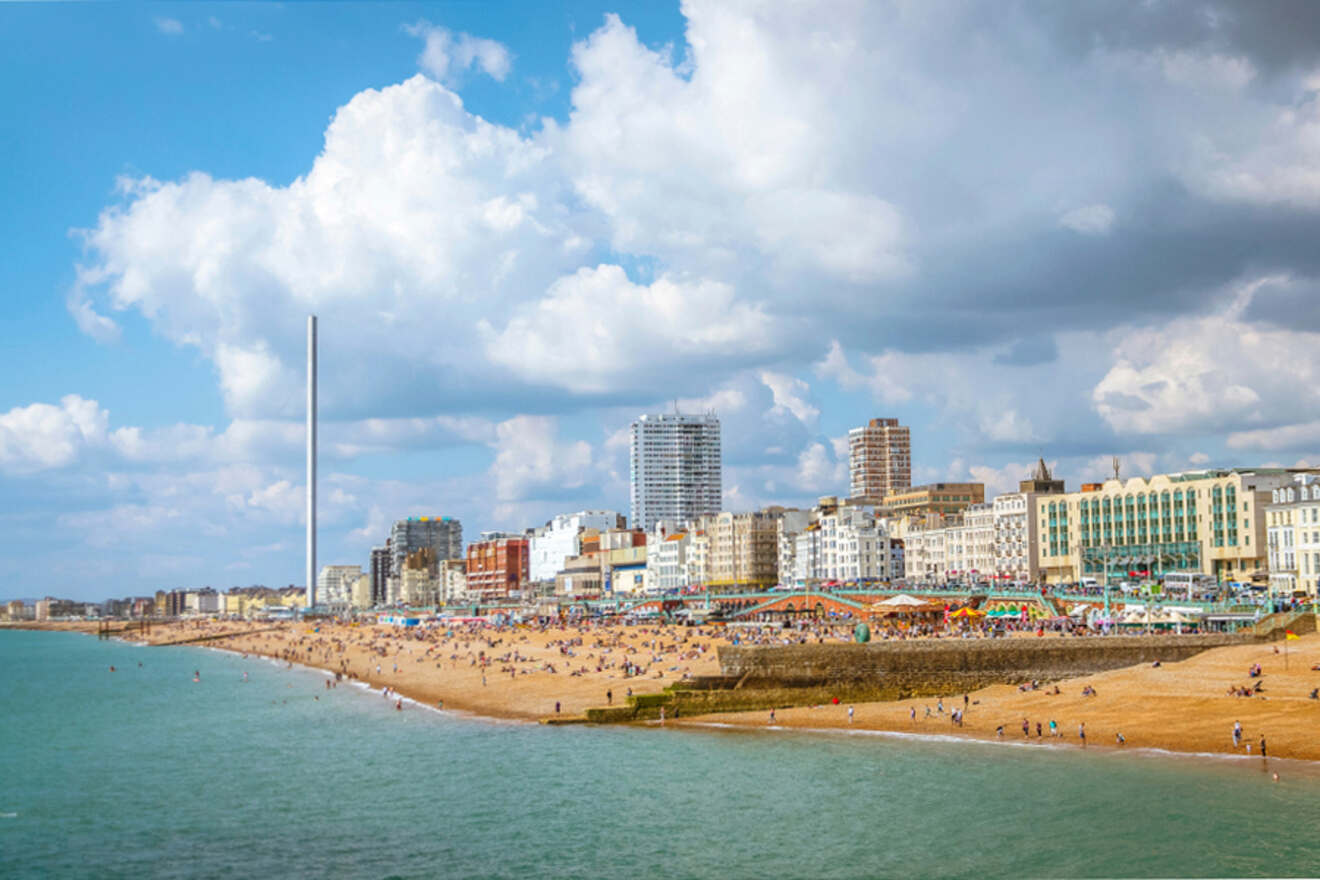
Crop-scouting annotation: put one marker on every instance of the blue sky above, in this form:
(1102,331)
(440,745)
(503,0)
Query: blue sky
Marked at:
(1053,231)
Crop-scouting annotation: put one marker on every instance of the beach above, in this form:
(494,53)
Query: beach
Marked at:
(1178,707)
(534,673)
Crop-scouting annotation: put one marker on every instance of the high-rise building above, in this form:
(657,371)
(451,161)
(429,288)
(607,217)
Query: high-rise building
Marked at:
(879,459)
(676,468)
(380,574)
(442,534)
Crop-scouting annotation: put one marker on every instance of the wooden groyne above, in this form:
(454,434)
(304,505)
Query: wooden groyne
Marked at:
(195,640)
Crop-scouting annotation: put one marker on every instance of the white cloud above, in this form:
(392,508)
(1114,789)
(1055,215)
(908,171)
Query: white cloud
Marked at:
(446,55)
(1007,426)
(285,500)
(530,460)
(41,436)
(1003,479)
(835,366)
(596,330)
(1206,373)
(790,395)
(171,27)
(1209,71)
(1298,436)
(759,176)
(446,215)
(820,471)
(1089,219)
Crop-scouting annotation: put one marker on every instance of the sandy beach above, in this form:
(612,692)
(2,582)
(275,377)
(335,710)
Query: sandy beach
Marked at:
(527,672)
(521,673)
(1181,707)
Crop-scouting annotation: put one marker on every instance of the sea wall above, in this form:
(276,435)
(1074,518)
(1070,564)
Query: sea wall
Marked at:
(901,669)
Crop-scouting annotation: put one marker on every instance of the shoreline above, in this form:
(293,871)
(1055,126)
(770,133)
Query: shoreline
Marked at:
(1179,708)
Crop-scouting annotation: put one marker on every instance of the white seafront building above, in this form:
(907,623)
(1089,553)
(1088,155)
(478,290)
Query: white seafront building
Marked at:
(1292,522)
(560,539)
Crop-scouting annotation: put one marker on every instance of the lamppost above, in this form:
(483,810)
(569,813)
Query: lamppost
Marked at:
(1105,550)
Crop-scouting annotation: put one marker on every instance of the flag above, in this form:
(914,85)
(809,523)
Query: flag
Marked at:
(1289,634)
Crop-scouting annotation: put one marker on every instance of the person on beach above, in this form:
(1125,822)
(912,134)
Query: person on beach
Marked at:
(1081,732)
(1263,753)
(1026,728)
(999,731)
(1237,734)
(772,715)
(1054,728)
(1119,738)
(1037,730)
(556,707)
(609,698)
(939,706)
(850,714)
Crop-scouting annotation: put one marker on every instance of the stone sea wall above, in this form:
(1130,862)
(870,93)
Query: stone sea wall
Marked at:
(927,667)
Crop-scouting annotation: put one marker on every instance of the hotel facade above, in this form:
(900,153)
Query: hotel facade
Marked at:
(1208,522)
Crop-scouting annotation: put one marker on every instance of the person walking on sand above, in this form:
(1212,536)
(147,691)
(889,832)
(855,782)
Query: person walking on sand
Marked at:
(939,705)
(1081,732)
(1263,753)
(609,698)
(1026,728)
(1237,734)
(850,714)
(1054,728)
(912,714)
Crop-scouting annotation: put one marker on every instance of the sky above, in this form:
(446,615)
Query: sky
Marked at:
(1025,229)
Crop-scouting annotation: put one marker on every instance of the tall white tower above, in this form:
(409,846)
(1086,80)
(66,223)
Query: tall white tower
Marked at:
(311,461)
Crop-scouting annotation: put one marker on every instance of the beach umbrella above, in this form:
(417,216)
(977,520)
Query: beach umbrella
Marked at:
(902,600)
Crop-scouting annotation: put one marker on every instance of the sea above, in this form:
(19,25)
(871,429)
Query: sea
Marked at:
(145,772)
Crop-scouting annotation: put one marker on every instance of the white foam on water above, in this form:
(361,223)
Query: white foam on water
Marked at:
(1059,744)
(8,815)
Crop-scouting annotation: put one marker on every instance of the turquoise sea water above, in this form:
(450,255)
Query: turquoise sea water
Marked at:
(144,773)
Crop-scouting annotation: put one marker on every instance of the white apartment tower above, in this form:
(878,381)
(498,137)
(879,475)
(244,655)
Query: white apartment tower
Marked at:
(879,459)
(676,469)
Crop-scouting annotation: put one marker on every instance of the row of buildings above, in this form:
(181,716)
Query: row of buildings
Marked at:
(1243,525)
(203,601)
(1257,526)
